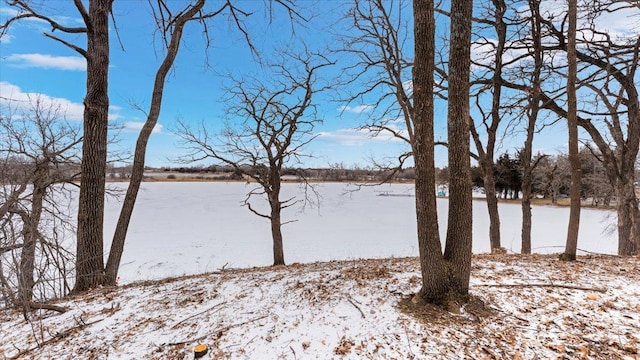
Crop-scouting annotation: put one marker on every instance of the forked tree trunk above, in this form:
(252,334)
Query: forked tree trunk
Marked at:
(90,241)
(444,278)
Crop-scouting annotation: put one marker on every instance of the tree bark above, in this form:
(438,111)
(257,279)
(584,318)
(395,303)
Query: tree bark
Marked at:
(433,267)
(496,83)
(628,218)
(31,223)
(444,278)
(572,124)
(459,232)
(137,170)
(276,218)
(532,117)
(90,241)
(492,207)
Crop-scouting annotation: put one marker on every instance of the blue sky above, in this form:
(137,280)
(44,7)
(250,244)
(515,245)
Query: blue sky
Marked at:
(33,64)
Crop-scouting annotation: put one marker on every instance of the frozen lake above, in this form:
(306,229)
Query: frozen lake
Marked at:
(193,227)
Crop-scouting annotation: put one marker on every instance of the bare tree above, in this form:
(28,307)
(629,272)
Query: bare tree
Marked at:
(39,152)
(609,70)
(277,122)
(609,108)
(572,124)
(89,258)
(532,110)
(171,27)
(495,18)
(378,73)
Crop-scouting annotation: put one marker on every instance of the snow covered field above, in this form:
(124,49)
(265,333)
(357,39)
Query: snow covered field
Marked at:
(189,228)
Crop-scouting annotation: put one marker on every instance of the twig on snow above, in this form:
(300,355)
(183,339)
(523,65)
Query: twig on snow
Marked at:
(574,287)
(356,306)
(488,351)
(223,329)
(199,313)
(56,337)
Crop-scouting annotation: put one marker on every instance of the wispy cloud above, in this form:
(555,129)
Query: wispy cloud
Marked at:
(45,61)
(8,12)
(356,109)
(5,38)
(136,126)
(358,137)
(12,96)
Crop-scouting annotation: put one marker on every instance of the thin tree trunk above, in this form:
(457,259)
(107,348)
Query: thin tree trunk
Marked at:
(90,241)
(137,171)
(496,103)
(31,223)
(532,117)
(572,120)
(459,232)
(433,267)
(492,206)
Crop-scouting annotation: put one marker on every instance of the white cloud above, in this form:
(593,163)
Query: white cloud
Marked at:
(12,96)
(45,61)
(356,109)
(136,126)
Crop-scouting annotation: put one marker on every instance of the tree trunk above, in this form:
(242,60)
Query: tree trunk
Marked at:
(492,206)
(31,223)
(276,234)
(532,118)
(496,97)
(276,220)
(628,217)
(572,123)
(137,170)
(90,241)
(459,232)
(435,284)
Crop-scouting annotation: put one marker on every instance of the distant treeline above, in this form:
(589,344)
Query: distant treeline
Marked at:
(333,173)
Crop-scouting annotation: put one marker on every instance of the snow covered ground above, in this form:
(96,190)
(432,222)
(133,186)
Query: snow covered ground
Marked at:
(191,228)
(349,310)
(535,307)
